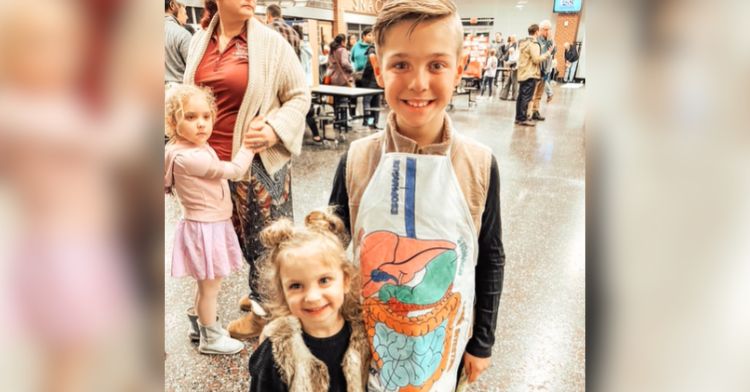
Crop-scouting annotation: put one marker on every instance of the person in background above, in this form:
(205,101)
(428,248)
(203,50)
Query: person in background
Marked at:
(500,49)
(260,90)
(547,45)
(276,22)
(351,41)
(490,69)
(323,62)
(176,41)
(306,60)
(358,56)
(341,72)
(371,101)
(359,60)
(510,87)
(529,73)
(571,62)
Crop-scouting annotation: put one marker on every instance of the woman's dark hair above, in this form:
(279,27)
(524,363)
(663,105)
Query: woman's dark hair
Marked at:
(337,42)
(209,10)
(298,29)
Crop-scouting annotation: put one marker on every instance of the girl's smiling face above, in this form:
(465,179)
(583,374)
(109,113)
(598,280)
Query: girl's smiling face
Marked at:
(314,290)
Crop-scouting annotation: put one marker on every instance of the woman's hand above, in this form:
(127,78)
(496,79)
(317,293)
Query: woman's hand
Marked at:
(260,136)
(474,366)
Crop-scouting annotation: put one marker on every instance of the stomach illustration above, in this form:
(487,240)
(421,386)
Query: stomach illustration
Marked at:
(409,307)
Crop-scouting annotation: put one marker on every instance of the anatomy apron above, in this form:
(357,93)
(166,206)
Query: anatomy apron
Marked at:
(417,253)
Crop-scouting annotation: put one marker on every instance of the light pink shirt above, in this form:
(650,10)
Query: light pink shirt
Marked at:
(198,178)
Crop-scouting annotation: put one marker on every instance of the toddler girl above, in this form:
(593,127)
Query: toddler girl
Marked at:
(205,244)
(315,340)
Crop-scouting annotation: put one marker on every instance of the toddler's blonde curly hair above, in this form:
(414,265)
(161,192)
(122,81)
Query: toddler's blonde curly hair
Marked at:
(174,103)
(324,230)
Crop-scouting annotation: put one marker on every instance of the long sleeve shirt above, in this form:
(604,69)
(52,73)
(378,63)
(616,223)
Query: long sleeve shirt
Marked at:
(176,43)
(198,178)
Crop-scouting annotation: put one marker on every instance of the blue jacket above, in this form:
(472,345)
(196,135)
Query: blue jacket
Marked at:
(546,44)
(359,56)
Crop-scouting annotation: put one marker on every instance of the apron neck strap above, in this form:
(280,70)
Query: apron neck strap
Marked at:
(385,141)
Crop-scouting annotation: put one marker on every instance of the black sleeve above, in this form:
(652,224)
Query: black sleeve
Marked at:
(264,375)
(339,198)
(489,272)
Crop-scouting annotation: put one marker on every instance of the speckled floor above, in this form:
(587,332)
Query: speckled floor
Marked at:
(540,342)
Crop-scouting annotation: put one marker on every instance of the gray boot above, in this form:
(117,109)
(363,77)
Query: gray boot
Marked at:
(194,333)
(213,341)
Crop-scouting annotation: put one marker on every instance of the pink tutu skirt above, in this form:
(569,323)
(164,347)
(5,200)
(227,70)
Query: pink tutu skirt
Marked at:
(205,250)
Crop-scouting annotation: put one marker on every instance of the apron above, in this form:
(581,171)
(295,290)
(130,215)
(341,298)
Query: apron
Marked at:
(415,243)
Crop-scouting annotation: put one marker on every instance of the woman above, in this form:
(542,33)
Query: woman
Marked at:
(260,88)
(342,74)
(351,42)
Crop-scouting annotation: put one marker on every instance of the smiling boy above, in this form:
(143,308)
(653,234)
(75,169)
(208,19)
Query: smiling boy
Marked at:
(423,205)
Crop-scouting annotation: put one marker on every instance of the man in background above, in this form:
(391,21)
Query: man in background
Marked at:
(547,48)
(529,75)
(276,22)
(571,62)
(176,41)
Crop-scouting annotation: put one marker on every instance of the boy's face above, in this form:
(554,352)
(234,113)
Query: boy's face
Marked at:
(419,72)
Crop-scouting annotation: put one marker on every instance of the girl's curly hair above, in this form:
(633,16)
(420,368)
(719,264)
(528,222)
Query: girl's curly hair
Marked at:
(174,105)
(328,233)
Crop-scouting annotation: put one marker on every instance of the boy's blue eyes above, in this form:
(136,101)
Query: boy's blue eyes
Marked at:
(433,66)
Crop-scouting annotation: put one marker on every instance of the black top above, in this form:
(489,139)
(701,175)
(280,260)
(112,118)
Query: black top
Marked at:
(571,54)
(265,375)
(368,74)
(490,263)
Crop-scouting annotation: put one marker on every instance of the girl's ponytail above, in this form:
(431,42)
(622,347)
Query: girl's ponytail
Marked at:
(276,233)
(326,221)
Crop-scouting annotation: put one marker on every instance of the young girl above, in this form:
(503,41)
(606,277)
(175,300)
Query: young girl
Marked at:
(316,340)
(205,244)
(490,69)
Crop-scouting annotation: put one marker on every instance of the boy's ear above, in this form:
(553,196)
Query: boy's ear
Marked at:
(376,70)
(460,69)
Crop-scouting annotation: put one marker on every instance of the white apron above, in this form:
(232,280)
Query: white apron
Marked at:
(417,253)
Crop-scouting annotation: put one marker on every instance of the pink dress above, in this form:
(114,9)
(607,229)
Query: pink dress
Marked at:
(205,244)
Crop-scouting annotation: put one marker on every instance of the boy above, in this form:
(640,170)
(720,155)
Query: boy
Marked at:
(422,203)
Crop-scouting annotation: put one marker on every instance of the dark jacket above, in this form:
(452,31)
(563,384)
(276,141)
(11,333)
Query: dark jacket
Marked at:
(571,55)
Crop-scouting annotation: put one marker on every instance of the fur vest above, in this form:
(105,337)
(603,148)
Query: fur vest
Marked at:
(302,371)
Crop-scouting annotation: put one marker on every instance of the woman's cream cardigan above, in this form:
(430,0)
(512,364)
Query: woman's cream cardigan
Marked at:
(276,89)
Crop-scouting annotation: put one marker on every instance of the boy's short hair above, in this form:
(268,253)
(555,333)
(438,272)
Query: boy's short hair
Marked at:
(274,10)
(418,11)
(366,31)
(533,29)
